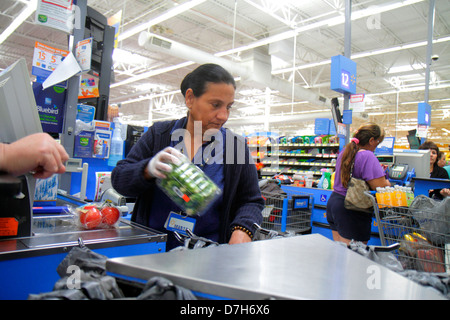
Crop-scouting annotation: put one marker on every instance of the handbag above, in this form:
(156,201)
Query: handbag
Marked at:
(356,199)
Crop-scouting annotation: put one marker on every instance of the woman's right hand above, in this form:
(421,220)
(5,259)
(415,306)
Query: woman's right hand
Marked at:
(159,164)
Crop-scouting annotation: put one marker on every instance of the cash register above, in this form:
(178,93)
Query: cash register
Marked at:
(15,207)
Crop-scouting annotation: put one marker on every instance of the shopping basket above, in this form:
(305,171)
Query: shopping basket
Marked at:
(423,233)
(287,212)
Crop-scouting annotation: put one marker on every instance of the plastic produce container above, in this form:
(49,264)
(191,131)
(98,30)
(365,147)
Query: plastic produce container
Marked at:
(189,187)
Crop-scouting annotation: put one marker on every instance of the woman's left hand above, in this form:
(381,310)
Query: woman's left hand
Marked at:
(239,236)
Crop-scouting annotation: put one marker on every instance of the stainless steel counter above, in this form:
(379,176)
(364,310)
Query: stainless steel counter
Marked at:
(58,234)
(303,267)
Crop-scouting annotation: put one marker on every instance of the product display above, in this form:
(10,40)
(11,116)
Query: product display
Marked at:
(189,187)
(300,155)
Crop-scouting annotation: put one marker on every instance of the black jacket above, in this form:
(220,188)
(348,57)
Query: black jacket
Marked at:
(438,173)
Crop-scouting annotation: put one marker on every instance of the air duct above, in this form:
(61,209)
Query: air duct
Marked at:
(176,49)
(255,68)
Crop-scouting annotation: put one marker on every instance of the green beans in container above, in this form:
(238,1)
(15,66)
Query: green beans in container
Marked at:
(189,187)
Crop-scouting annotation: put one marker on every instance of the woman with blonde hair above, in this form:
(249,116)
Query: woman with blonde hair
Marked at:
(357,160)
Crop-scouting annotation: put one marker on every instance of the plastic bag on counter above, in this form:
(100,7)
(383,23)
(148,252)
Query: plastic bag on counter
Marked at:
(96,216)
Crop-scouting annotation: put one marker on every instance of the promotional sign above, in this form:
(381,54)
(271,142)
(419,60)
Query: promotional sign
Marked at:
(56,14)
(421,131)
(50,104)
(45,60)
(357,102)
(343,74)
(88,87)
(83,51)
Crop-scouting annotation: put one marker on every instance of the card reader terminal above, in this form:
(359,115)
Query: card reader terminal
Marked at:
(398,171)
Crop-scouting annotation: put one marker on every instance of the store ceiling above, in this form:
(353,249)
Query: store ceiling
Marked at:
(388,43)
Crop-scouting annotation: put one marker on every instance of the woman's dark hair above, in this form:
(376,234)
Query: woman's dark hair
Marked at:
(430,145)
(198,79)
(364,133)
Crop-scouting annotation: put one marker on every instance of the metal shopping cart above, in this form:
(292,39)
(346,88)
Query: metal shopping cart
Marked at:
(286,212)
(422,230)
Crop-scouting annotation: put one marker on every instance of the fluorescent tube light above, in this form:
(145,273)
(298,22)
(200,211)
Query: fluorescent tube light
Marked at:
(169,14)
(31,7)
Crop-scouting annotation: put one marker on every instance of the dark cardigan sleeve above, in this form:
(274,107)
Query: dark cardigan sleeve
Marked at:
(243,193)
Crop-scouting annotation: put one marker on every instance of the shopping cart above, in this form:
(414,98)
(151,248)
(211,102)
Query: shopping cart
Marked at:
(423,235)
(286,212)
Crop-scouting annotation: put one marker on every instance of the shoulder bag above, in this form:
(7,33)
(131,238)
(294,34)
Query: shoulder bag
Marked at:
(356,199)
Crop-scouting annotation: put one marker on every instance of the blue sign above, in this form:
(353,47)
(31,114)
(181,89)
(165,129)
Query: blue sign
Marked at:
(347,117)
(321,126)
(302,203)
(424,114)
(332,130)
(385,147)
(343,75)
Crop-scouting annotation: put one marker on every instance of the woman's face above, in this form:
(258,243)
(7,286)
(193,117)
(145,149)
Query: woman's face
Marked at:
(212,108)
(433,156)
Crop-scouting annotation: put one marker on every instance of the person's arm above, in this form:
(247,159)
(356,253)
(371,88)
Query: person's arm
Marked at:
(373,172)
(38,153)
(249,203)
(378,183)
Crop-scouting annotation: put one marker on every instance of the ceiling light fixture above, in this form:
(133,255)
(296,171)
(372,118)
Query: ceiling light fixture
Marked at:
(328,22)
(364,54)
(31,7)
(169,14)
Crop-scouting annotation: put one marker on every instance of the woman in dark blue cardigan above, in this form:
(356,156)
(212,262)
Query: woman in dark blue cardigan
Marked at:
(209,94)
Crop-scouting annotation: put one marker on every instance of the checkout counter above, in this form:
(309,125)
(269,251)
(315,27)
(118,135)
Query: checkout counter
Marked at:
(412,168)
(301,267)
(28,259)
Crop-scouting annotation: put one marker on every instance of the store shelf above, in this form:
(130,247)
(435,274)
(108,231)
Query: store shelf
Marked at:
(295,158)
